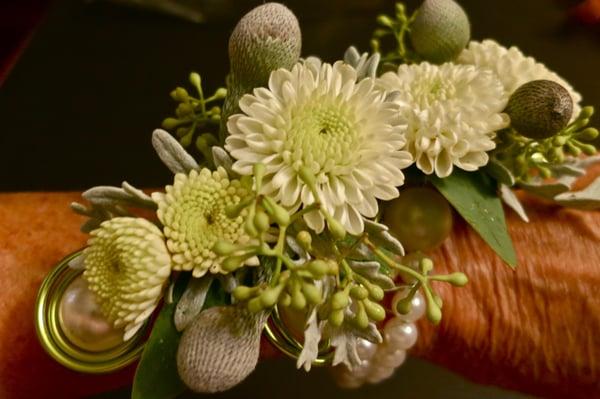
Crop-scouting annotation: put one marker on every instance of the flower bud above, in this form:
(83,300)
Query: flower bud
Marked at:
(269,297)
(539,109)
(255,305)
(440,31)
(220,93)
(359,292)
(170,123)
(298,300)
(336,317)
(304,239)
(588,134)
(434,313)
(458,279)
(224,248)
(335,228)
(318,268)
(375,292)
(339,300)
(312,293)
(243,293)
(361,319)
(195,80)
(374,310)
(261,221)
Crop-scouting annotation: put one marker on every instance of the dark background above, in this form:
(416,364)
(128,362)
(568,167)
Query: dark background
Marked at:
(79,107)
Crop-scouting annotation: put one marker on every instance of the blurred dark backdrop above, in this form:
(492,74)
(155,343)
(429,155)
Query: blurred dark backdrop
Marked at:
(79,106)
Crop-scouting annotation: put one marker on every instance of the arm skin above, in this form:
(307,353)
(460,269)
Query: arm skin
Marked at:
(535,329)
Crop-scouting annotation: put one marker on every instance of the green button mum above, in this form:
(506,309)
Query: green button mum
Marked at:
(192,211)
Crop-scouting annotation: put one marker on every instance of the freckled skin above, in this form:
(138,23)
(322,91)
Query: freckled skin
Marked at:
(534,329)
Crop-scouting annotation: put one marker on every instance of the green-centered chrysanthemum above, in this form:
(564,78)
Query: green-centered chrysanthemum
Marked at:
(192,211)
(320,117)
(126,266)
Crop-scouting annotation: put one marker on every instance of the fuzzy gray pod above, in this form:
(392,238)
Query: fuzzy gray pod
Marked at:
(265,39)
(219,349)
(539,109)
(440,31)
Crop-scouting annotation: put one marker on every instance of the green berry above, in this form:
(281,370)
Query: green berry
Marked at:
(359,292)
(361,319)
(336,318)
(374,310)
(298,300)
(339,300)
(420,218)
(539,109)
(243,293)
(311,293)
(440,31)
(255,305)
(318,268)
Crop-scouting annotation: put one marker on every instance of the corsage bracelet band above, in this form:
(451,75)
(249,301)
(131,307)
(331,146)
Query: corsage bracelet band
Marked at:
(315,192)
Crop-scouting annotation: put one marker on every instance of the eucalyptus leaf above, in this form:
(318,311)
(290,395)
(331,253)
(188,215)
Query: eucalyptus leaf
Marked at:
(173,155)
(475,198)
(588,198)
(510,199)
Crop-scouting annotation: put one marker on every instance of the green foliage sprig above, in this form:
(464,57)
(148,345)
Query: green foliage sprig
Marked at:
(344,276)
(396,28)
(527,158)
(196,114)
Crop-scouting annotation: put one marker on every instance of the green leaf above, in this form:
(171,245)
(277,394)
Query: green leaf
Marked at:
(475,198)
(156,376)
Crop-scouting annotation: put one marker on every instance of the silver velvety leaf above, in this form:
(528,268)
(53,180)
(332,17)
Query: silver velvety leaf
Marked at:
(365,65)
(371,271)
(509,198)
(191,302)
(222,158)
(312,337)
(379,234)
(588,198)
(173,155)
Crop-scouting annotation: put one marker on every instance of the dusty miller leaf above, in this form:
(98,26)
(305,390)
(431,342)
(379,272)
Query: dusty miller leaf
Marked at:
(191,302)
(365,65)
(510,199)
(379,234)
(371,270)
(173,155)
(221,158)
(588,198)
(312,337)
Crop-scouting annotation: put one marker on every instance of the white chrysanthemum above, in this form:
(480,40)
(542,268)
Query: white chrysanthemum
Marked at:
(512,67)
(319,116)
(452,113)
(192,211)
(127,266)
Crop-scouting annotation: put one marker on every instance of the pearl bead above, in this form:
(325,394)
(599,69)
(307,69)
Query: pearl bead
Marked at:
(399,334)
(380,373)
(82,321)
(365,349)
(417,309)
(393,357)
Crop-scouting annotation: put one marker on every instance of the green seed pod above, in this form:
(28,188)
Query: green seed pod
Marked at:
(588,149)
(269,297)
(339,300)
(375,292)
(539,109)
(285,299)
(434,313)
(440,31)
(336,229)
(333,267)
(255,305)
(336,317)
(184,109)
(276,211)
(558,154)
(361,319)
(586,112)
(404,305)
(304,239)
(243,293)
(312,293)
(261,221)
(359,292)
(588,134)
(170,123)
(374,310)
(318,268)
(458,279)
(426,265)
(265,39)
(224,248)
(298,300)
(232,263)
